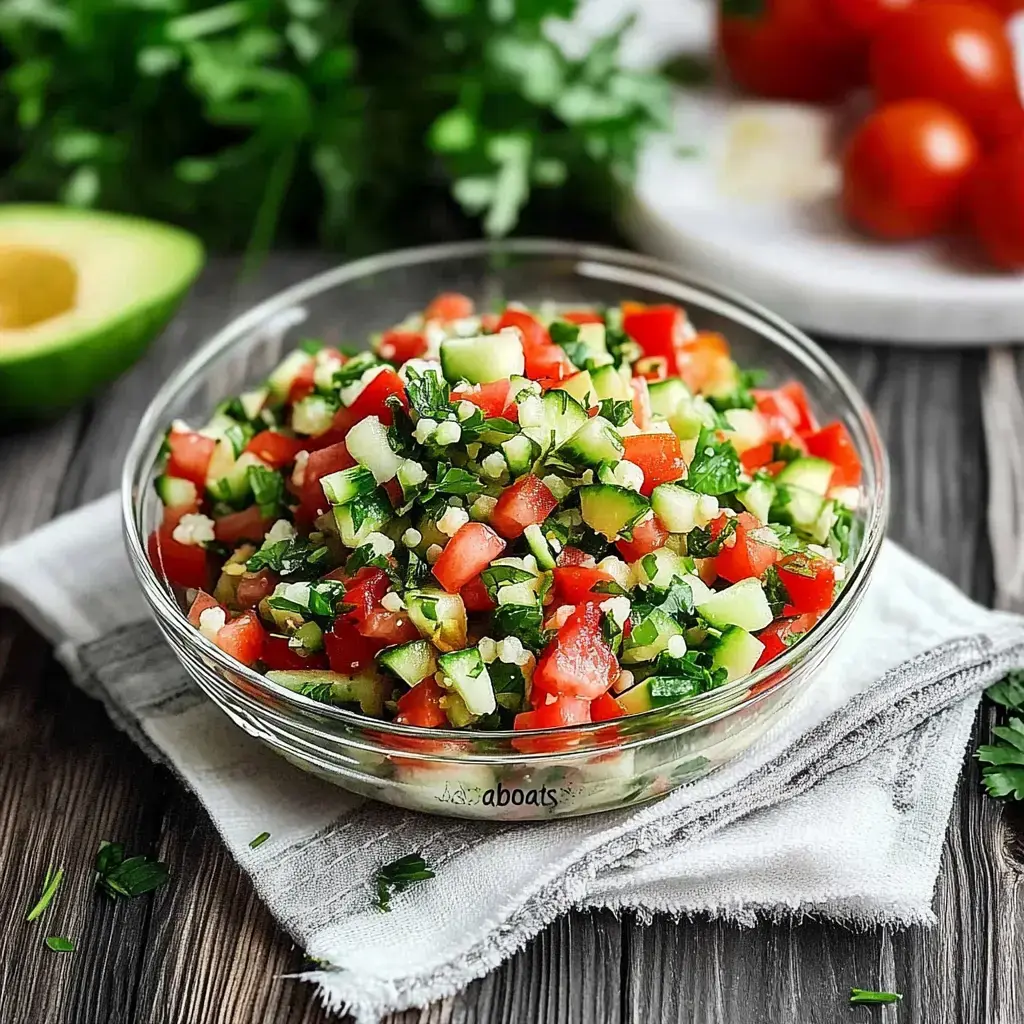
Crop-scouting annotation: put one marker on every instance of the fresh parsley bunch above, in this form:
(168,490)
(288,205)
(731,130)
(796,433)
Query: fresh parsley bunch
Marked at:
(254,122)
(1004,776)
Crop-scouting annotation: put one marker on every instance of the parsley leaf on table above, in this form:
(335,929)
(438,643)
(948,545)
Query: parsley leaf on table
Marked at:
(50,885)
(866,997)
(399,875)
(117,875)
(255,844)
(1004,776)
(59,944)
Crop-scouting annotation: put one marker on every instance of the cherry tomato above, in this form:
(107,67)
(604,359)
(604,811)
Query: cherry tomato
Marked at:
(865,17)
(995,202)
(789,49)
(527,501)
(905,168)
(466,555)
(957,54)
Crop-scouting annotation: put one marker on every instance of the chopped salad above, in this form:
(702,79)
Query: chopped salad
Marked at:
(525,519)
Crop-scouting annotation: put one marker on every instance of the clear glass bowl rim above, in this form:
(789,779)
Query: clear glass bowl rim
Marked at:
(656,275)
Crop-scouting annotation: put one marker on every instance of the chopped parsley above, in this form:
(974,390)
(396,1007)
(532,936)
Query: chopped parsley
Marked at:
(295,557)
(866,997)
(118,876)
(775,591)
(523,621)
(267,489)
(398,876)
(59,944)
(715,468)
(428,394)
(1004,776)
(701,543)
(255,844)
(617,412)
(50,885)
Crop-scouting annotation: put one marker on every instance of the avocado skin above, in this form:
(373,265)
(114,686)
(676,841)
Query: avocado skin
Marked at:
(39,384)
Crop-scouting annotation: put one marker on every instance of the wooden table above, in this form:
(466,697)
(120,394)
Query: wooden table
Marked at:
(204,950)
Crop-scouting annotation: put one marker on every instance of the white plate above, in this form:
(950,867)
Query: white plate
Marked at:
(755,208)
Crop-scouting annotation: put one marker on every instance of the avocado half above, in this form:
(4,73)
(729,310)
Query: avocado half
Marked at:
(82,294)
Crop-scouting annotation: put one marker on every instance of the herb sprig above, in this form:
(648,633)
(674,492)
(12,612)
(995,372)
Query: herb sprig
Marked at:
(398,876)
(120,876)
(1004,776)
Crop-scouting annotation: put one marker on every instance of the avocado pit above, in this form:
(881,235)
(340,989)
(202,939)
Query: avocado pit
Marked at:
(35,285)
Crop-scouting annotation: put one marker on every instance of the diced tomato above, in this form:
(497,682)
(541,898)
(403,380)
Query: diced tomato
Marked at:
(559,713)
(547,362)
(475,596)
(760,455)
(449,306)
(578,662)
(185,565)
(573,556)
(242,638)
(574,584)
(321,463)
(393,489)
(535,334)
(466,555)
(422,705)
(652,368)
(390,627)
(641,403)
(778,637)
(835,444)
(190,456)
(704,361)
(371,401)
(604,708)
(365,591)
(660,456)
(658,330)
(398,346)
(492,399)
(277,655)
(254,586)
(529,500)
(248,524)
(788,404)
(348,650)
(302,383)
(581,316)
(274,448)
(810,582)
(774,468)
(648,536)
(742,556)
(202,601)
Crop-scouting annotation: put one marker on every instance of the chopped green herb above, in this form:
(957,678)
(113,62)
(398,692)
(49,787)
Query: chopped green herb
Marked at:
(255,844)
(399,875)
(701,543)
(59,944)
(295,558)
(117,875)
(428,394)
(523,621)
(617,412)
(775,591)
(1005,775)
(267,489)
(715,468)
(865,997)
(50,884)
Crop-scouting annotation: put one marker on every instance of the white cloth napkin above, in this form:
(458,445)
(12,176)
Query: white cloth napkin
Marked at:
(840,810)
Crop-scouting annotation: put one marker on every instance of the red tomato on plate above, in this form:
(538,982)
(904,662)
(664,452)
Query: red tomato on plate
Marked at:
(995,203)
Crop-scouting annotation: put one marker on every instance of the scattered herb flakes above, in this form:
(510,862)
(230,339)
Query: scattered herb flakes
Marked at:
(117,875)
(399,875)
(59,944)
(50,885)
(866,997)
(255,844)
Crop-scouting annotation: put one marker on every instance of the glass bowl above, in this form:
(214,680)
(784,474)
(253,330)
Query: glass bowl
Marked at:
(500,775)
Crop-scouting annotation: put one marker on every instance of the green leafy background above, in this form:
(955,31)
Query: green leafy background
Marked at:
(337,121)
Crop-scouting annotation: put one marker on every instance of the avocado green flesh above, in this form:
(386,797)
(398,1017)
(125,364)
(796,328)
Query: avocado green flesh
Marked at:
(131,276)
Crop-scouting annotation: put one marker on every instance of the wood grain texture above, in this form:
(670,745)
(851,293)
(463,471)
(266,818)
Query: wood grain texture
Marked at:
(204,950)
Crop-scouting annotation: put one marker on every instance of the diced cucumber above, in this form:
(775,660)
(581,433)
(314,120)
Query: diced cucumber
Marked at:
(482,359)
(312,415)
(223,427)
(520,453)
(580,386)
(466,674)
(368,444)
(234,486)
(539,546)
(737,652)
(439,616)
(346,484)
(611,510)
(411,662)
(649,638)
(595,442)
(368,689)
(526,592)
(698,588)
(284,375)
(644,696)
(758,497)
(609,383)
(724,382)
(667,396)
(361,516)
(522,387)
(680,509)
(175,492)
(810,473)
(806,511)
(252,402)
(743,604)
(747,429)
(658,567)
(561,417)
(593,336)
